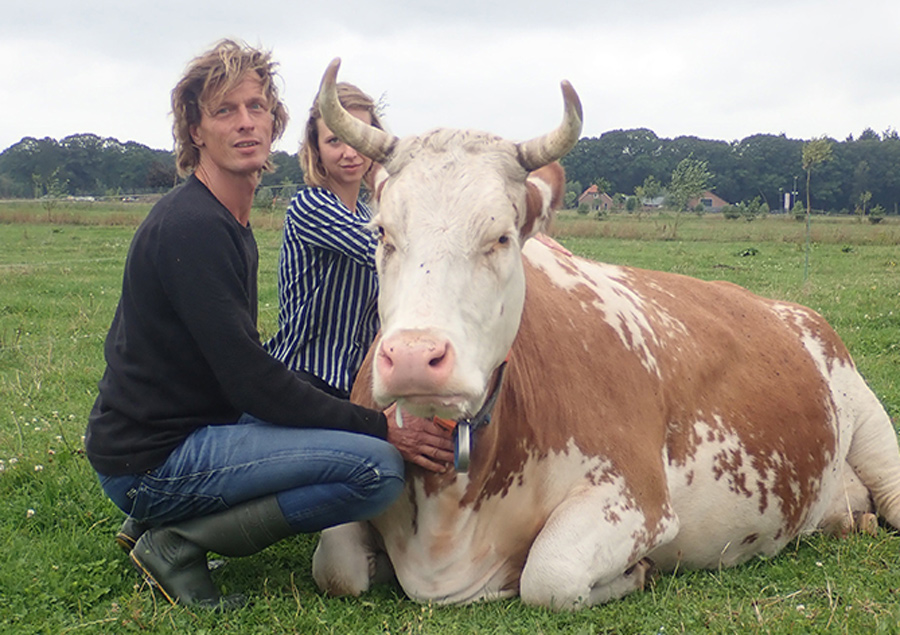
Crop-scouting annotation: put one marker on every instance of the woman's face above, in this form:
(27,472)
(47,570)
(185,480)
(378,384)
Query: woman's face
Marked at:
(343,165)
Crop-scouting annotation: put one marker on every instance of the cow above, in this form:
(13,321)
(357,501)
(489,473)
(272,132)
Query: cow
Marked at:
(640,420)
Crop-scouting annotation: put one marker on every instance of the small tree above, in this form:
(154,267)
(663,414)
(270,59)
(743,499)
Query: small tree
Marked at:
(650,189)
(815,152)
(864,198)
(749,210)
(876,215)
(731,212)
(573,191)
(689,180)
(603,185)
(50,190)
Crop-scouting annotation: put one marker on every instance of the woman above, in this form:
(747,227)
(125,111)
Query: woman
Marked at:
(327,285)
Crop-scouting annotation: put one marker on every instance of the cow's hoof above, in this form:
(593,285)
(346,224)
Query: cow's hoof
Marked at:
(857,522)
(642,572)
(865,523)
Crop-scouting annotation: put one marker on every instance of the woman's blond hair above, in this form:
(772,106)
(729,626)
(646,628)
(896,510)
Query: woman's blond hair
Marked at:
(351,98)
(207,79)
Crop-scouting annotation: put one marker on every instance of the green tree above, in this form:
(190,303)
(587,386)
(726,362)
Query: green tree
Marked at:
(864,199)
(649,190)
(603,185)
(690,179)
(815,152)
(573,191)
(50,190)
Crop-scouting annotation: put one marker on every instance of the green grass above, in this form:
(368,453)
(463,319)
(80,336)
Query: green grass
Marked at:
(61,573)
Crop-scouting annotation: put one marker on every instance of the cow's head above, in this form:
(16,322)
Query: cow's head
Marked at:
(453,210)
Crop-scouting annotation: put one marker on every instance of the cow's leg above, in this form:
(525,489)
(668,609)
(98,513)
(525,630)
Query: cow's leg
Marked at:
(591,550)
(851,509)
(348,559)
(874,454)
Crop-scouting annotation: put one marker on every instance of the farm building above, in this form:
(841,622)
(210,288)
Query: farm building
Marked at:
(710,202)
(595,199)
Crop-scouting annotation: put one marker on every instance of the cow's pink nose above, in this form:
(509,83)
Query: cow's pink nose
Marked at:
(415,362)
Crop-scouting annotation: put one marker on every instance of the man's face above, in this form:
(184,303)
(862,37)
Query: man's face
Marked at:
(235,134)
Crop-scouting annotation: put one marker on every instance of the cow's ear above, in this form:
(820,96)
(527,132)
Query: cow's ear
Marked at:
(544,194)
(375,180)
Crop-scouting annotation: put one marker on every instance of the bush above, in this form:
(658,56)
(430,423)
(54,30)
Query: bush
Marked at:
(876,215)
(731,212)
(583,208)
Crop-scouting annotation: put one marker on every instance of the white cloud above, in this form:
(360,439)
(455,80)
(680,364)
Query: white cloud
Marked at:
(697,67)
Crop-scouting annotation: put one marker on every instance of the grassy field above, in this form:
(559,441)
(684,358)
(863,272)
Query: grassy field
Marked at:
(61,573)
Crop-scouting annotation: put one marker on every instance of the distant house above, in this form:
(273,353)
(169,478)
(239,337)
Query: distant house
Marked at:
(595,199)
(653,202)
(710,202)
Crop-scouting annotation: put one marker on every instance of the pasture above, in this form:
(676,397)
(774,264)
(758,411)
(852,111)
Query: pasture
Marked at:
(60,571)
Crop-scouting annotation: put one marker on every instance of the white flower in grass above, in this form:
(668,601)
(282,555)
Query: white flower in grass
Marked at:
(29,513)
(38,468)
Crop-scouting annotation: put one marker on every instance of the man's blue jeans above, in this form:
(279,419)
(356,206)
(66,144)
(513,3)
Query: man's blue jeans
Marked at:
(321,477)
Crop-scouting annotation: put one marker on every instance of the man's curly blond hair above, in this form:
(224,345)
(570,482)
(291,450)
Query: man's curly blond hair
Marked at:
(207,79)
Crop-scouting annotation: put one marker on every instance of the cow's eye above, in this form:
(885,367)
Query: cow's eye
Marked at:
(497,246)
(386,247)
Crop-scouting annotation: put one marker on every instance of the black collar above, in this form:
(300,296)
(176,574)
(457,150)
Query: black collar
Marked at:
(464,428)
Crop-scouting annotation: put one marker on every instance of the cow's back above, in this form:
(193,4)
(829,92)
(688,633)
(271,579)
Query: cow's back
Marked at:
(745,406)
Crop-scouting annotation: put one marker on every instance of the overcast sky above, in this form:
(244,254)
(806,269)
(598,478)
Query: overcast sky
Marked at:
(716,69)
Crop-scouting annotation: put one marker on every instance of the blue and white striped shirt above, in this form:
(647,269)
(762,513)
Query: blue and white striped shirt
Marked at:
(327,288)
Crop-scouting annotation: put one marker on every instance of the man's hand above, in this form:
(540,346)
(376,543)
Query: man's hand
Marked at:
(420,441)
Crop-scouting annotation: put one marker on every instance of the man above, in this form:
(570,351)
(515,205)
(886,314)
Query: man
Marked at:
(202,438)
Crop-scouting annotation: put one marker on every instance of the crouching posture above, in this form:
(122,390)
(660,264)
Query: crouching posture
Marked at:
(635,417)
(205,441)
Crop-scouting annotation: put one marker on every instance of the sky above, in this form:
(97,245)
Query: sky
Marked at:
(714,69)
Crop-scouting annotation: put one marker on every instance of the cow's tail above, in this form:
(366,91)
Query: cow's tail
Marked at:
(875,455)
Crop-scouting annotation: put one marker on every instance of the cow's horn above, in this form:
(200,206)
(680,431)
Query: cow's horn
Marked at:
(368,140)
(539,152)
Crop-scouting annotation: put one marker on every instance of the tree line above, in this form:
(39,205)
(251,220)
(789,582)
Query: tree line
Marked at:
(862,171)
(89,165)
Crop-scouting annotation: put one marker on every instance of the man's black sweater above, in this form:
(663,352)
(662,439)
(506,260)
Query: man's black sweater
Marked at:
(183,350)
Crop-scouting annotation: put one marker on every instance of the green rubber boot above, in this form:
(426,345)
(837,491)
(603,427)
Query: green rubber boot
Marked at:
(173,557)
(129,533)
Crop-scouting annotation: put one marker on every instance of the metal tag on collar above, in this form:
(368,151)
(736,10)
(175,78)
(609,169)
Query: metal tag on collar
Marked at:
(463,447)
